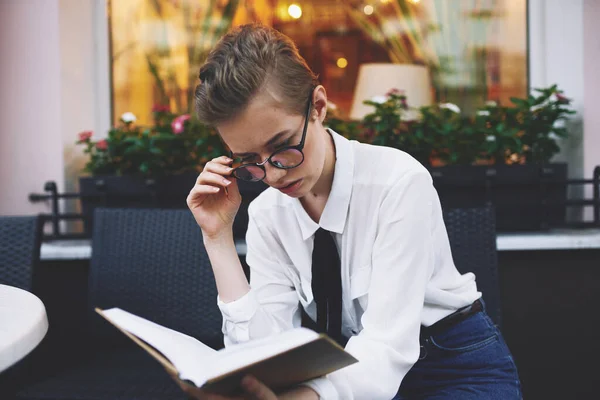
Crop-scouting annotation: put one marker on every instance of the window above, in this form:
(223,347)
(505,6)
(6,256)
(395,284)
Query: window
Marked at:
(472,50)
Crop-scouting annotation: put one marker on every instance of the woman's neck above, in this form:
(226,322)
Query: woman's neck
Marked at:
(314,202)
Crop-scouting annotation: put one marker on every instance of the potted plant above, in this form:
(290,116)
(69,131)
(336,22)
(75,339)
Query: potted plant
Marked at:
(500,154)
(528,138)
(151,166)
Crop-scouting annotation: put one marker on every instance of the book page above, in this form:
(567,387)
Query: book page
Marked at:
(243,354)
(190,357)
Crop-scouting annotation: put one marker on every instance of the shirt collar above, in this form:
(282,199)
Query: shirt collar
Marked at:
(334,215)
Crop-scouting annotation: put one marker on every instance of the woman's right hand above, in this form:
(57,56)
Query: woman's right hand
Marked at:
(215,198)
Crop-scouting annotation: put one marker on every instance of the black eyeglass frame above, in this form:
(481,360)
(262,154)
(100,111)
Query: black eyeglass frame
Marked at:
(299,147)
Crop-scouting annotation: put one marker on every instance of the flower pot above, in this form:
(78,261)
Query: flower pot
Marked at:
(524,196)
(162,192)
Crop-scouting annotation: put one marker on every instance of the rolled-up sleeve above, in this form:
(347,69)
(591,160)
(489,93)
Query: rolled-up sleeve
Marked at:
(269,307)
(402,263)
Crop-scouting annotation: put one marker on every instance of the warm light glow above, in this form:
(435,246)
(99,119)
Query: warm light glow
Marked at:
(384,1)
(295,11)
(368,9)
(414,1)
(342,62)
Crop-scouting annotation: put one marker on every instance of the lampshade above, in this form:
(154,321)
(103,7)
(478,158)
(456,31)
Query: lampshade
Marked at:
(378,78)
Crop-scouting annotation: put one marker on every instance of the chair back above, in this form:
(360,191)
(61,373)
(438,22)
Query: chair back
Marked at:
(19,250)
(152,262)
(472,235)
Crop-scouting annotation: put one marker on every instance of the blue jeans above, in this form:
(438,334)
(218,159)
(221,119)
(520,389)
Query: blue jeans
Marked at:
(469,361)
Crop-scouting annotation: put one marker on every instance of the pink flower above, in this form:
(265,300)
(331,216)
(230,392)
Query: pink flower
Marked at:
(394,91)
(562,99)
(178,123)
(102,145)
(161,108)
(85,136)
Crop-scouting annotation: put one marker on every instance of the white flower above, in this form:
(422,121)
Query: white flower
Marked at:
(491,138)
(491,103)
(450,106)
(331,105)
(553,136)
(483,113)
(552,99)
(128,117)
(411,115)
(379,99)
(538,107)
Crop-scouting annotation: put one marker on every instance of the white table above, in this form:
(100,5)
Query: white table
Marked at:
(23,324)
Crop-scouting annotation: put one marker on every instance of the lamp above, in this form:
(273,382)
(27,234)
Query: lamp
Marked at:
(376,79)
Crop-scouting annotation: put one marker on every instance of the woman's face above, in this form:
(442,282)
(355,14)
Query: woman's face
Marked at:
(265,126)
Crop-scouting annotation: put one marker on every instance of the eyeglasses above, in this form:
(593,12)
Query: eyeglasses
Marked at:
(285,158)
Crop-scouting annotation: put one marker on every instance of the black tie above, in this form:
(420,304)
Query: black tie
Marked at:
(327,285)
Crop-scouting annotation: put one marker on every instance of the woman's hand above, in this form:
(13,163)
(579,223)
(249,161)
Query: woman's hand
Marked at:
(215,198)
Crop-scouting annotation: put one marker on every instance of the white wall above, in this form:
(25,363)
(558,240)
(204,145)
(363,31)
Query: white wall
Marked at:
(31,145)
(54,73)
(591,76)
(556,56)
(565,49)
(85,83)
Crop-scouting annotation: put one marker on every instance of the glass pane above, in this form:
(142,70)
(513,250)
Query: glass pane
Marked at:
(159,45)
(471,50)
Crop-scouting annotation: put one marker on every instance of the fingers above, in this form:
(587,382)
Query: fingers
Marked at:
(203,190)
(219,165)
(211,178)
(216,177)
(257,390)
(215,172)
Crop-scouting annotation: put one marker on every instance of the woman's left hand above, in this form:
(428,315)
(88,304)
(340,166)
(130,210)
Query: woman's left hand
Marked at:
(257,390)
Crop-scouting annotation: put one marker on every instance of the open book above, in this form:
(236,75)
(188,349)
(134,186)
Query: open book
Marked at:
(279,361)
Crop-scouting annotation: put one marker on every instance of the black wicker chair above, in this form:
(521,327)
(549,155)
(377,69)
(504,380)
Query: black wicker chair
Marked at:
(152,263)
(472,234)
(19,250)
(19,256)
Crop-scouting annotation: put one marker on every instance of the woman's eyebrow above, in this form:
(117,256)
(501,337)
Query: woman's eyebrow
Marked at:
(270,142)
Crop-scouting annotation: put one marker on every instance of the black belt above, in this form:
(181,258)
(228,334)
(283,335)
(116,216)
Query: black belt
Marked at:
(449,321)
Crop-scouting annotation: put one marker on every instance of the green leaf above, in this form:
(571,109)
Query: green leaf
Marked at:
(519,102)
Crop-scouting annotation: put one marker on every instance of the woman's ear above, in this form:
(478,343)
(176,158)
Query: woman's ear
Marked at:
(319,104)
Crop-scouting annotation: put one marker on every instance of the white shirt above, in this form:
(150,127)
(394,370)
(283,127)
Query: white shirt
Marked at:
(396,267)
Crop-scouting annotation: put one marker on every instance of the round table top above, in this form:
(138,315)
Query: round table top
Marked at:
(23,324)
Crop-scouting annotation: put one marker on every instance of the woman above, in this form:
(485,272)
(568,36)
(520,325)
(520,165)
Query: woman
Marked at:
(349,235)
